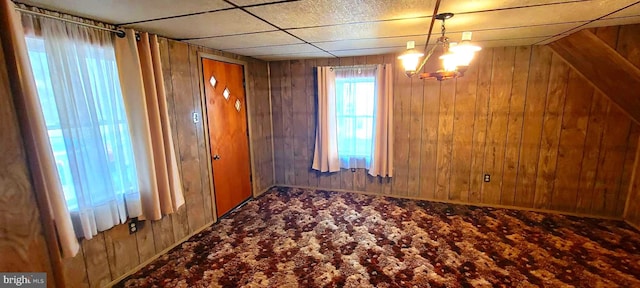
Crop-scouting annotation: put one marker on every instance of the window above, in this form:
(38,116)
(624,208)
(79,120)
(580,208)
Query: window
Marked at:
(355,110)
(355,119)
(86,123)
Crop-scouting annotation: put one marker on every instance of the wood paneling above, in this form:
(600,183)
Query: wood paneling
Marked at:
(401,122)
(120,250)
(259,109)
(551,125)
(194,63)
(572,137)
(182,83)
(534,110)
(484,66)
(627,45)
(521,114)
(445,139)
(146,241)
(612,73)
(497,120)
(96,261)
(515,124)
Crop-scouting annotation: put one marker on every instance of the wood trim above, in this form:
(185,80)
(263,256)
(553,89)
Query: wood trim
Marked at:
(273,147)
(634,174)
(604,68)
(203,118)
(463,203)
(632,224)
(248,100)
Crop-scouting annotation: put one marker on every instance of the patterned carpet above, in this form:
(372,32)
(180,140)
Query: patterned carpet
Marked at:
(302,238)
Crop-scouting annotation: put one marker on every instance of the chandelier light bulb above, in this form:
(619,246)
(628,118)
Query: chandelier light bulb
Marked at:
(449,61)
(411,58)
(465,45)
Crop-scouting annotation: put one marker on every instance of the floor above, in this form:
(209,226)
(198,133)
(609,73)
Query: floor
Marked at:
(293,237)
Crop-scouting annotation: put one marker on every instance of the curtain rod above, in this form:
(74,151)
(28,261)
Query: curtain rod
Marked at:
(119,33)
(354,66)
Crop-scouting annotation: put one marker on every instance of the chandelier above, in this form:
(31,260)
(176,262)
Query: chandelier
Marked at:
(454,57)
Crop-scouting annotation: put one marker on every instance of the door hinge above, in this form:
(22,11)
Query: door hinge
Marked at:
(251,178)
(196,117)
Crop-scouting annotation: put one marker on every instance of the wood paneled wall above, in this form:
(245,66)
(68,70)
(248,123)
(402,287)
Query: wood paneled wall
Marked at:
(113,253)
(626,41)
(521,114)
(22,242)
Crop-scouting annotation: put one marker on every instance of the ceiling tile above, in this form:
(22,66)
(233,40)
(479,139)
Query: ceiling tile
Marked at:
(522,17)
(276,50)
(309,13)
(466,6)
(356,44)
(126,11)
(614,21)
(517,33)
(247,40)
(478,37)
(395,28)
(349,27)
(206,25)
(374,51)
(252,2)
(308,55)
(633,10)
(399,49)
(327,12)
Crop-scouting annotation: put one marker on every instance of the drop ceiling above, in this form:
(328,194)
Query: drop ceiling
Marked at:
(292,29)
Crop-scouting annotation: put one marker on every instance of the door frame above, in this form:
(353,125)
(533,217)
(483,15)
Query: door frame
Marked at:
(205,127)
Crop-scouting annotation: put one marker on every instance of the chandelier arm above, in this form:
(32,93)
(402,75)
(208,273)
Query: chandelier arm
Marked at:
(427,56)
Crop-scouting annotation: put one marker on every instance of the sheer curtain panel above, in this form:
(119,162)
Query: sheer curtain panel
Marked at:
(355,111)
(146,104)
(81,101)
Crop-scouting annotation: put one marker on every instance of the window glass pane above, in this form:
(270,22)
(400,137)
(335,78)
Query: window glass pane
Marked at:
(40,69)
(364,97)
(355,103)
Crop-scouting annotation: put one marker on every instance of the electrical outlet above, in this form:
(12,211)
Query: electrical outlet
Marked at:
(133,225)
(487,178)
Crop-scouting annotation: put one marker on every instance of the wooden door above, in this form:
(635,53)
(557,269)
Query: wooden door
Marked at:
(228,137)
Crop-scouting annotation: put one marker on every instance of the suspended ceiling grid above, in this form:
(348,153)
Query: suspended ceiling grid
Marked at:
(286,29)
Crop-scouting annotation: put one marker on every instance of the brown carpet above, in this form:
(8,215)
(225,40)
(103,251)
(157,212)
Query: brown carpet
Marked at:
(304,238)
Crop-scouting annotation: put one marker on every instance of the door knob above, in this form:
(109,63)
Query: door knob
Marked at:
(216,157)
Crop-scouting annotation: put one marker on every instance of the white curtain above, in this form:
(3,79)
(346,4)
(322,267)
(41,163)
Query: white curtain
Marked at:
(325,157)
(79,91)
(382,154)
(145,101)
(355,111)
